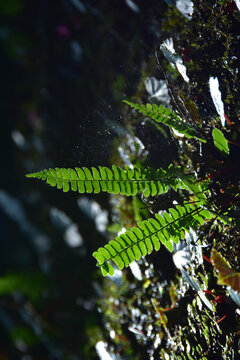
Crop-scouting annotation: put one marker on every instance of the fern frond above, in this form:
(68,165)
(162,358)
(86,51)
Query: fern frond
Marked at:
(167,117)
(127,181)
(199,189)
(148,235)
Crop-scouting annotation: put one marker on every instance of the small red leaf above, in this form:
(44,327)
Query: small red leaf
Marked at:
(226,275)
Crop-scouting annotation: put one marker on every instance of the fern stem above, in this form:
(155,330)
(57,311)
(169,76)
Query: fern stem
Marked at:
(120,180)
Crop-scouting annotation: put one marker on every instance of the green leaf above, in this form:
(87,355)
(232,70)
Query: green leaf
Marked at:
(220,142)
(226,275)
(140,241)
(127,181)
(167,117)
(167,227)
(29,284)
(100,258)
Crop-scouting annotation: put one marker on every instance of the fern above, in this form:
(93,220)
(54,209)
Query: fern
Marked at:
(116,180)
(167,117)
(142,240)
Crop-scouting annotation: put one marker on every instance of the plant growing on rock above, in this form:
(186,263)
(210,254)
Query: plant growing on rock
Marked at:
(198,205)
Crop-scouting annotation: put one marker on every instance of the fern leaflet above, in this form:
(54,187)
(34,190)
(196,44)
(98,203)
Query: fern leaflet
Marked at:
(167,117)
(116,180)
(142,240)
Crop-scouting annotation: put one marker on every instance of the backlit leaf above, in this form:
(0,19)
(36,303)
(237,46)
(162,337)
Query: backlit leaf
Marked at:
(220,142)
(226,275)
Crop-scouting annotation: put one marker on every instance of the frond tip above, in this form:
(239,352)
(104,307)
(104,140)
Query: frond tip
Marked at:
(139,241)
(127,181)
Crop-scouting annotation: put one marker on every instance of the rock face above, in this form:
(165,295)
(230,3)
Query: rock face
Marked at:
(179,309)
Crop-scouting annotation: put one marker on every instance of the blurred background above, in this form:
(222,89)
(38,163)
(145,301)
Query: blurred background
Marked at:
(66,66)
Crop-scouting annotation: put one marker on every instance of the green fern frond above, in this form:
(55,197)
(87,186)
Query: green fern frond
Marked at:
(167,117)
(148,235)
(199,189)
(127,181)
